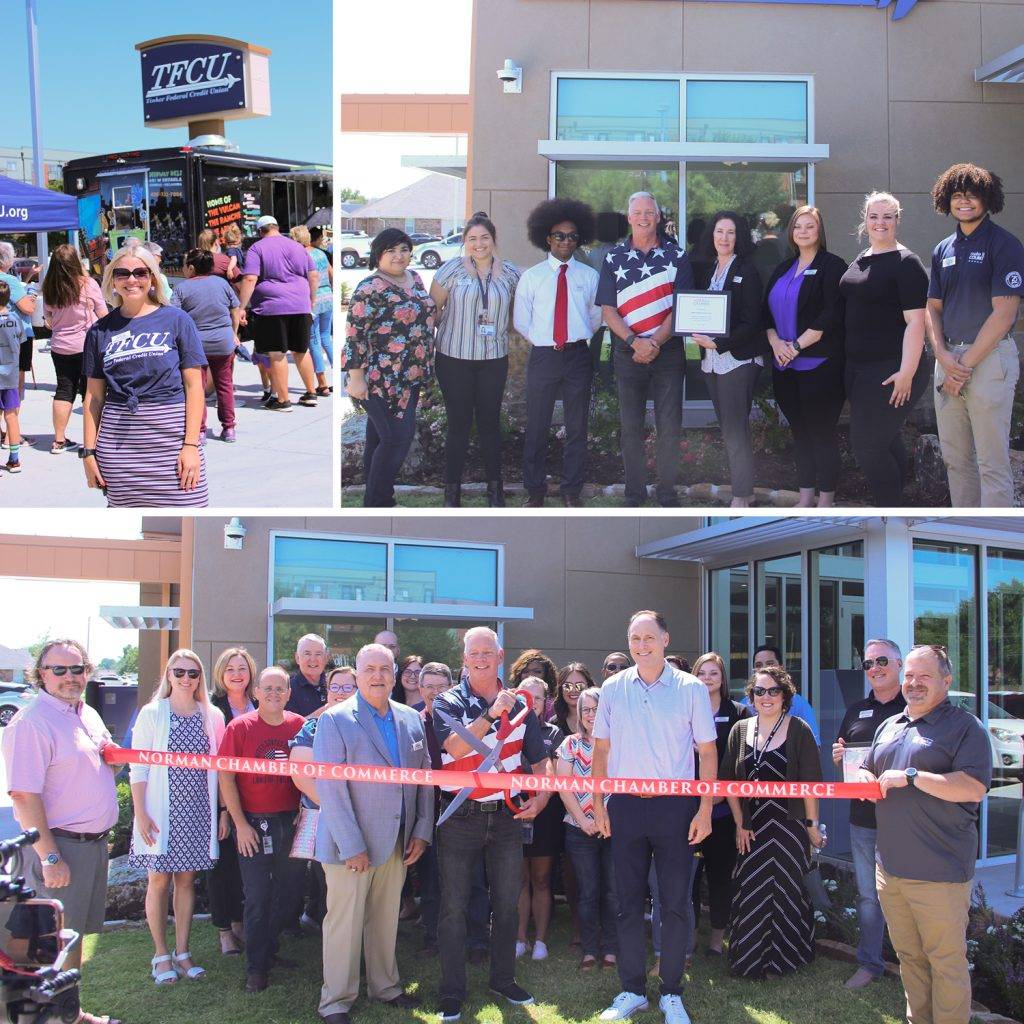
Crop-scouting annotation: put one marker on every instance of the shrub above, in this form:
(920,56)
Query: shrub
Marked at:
(121,833)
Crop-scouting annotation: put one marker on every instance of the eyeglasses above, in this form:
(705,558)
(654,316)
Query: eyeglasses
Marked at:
(881,661)
(180,673)
(123,273)
(414,672)
(573,687)
(63,670)
(565,236)
(767,691)
(342,687)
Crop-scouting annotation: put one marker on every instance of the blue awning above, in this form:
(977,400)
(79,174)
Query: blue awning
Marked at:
(28,208)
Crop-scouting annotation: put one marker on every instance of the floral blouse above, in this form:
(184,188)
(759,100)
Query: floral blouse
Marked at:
(389,335)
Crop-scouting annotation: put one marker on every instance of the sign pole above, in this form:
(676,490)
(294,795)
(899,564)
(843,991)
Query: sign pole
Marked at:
(33,92)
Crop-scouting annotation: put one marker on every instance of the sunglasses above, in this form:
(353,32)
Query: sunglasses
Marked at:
(63,670)
(573,687)
(180,673)
(123,273)
(767,691)
(565,236)
(616,668)
(881,661)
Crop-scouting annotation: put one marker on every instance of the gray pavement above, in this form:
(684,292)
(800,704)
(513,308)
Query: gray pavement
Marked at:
(281,460)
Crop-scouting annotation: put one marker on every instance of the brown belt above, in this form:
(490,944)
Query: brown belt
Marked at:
(78,837)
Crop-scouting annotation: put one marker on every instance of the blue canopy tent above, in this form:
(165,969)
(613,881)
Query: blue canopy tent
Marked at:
(29,208)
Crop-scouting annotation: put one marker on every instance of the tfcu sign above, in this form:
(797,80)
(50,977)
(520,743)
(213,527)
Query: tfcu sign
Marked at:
(188,78)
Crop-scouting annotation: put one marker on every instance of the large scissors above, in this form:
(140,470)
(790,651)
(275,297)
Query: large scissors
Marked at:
(491,755)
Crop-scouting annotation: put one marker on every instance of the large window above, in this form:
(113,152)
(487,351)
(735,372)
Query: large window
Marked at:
(780,610)
(606,187)
(336,570)
(729,597)
(618,109)
(437,575)
(744,110)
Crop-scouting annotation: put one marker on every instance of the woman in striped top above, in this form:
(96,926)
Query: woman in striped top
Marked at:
(474,302)
(590,853)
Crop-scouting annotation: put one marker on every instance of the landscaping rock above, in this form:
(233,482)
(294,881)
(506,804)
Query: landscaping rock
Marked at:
(929,469)
(126,891)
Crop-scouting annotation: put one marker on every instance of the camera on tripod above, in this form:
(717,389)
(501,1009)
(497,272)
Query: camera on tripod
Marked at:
(34,946)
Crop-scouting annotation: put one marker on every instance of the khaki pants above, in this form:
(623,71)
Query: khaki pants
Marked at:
(974,431)
(928,927)
(362,918)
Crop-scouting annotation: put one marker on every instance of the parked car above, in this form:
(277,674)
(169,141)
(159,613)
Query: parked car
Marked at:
(419,237)
(14,697)
(1005,731)
(431,255)
(353,249)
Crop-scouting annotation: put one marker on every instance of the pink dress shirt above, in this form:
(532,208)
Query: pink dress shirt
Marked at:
(70,323)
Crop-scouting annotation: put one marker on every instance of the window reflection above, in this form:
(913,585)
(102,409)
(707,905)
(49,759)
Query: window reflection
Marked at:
(618,110)
(745,111)
(780,610)
(427,575)
(338,570)
(730,619)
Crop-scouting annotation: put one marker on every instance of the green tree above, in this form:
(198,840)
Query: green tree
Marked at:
(36,648)
(351,195)
(108,665)
(128,663)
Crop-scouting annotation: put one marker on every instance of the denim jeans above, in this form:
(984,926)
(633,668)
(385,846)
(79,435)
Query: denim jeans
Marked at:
(389,436)
(274,887)
(597,904)
(662,381)
(321,347)
(869,910)
(478,918)
(460,841)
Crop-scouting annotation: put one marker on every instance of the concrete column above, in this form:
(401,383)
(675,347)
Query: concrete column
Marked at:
(889,581)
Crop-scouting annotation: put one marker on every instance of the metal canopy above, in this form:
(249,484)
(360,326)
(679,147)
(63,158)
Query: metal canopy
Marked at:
(1006,69)
(475,613)
(712,152)
(141,617)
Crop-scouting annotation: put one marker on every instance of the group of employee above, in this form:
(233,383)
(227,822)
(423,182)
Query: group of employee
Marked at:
(832,333)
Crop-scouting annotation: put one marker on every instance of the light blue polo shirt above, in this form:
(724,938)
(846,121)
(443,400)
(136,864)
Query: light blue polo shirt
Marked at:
(653,728)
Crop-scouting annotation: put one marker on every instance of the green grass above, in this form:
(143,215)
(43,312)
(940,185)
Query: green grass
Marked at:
(117,982)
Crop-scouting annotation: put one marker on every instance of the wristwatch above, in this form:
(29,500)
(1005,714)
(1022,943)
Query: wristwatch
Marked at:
(811,822)
(487,717)
(51,859)
(85,453)
(797,346)
(911,774)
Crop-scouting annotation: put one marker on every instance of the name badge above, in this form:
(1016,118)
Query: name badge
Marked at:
(418,745)
(737,280)
(866,714)
(486,330)
(949,261)
(810,273)
(721,718)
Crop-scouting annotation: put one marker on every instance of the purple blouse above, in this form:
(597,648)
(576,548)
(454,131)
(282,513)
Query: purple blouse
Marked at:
(782,301)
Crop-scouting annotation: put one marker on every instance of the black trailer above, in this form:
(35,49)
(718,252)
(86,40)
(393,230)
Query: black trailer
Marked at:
(169,195)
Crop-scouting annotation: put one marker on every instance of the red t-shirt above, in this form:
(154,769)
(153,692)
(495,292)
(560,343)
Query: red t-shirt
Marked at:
(249,736)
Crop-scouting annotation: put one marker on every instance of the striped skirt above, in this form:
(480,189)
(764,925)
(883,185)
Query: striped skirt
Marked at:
(138,457)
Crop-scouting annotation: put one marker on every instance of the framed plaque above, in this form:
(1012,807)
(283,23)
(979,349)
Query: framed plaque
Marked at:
(700,312)
(854,757)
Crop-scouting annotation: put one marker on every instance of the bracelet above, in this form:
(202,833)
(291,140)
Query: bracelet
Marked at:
(188,444)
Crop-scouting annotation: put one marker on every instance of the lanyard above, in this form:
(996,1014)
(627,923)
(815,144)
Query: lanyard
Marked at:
(767,743)
(484,287)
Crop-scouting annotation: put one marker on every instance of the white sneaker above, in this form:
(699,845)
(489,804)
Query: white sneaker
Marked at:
(624,1005)
(675,1012)
(522,949)
(540,950)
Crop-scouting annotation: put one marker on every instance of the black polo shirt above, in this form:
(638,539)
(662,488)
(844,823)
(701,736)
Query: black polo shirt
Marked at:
(921,837)
(858,728)
(968,271)
(306,697)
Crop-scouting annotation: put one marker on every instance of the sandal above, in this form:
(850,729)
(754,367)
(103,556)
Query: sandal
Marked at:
(325,392)
(163,977)
(193,973)
(229,943)
(588,963)
(608,963)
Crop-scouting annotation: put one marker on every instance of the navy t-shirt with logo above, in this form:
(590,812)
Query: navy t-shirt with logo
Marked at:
(141,358)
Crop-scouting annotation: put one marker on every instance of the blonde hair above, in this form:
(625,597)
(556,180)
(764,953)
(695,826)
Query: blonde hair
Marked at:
(869,201)
(201,694)
(301,234)
(157,292)
(221,665)
(232,235)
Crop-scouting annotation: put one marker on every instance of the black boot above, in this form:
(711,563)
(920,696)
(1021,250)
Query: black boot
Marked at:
(453,495)
(495,494)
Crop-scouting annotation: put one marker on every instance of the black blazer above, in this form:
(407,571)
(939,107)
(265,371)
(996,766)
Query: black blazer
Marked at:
(747,338)
(220,701)
(820,307)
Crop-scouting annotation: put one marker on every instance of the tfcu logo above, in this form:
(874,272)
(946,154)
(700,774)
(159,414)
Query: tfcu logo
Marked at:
(128,346)
(13,212)
(211,71)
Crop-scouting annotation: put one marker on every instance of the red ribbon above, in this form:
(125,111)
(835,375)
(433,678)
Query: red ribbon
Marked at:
(384,774)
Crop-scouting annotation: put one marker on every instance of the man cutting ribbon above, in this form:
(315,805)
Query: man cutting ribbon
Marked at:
(483,822)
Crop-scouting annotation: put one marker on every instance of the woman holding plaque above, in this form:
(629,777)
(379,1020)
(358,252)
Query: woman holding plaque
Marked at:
(803,312)
(732,361)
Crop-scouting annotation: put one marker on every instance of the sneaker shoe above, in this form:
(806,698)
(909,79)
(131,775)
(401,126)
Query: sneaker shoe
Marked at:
(673,1009)
(59,447)
(274,405)
(13,466)
(540,950)
(451,1009)
(228,434)
(515,994)
(308,399)
(522,948)
(624,1005)
(266,396)
(305,922)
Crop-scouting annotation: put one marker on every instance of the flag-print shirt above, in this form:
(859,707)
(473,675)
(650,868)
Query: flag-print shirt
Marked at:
(640,284)
(388,335)
(579,753)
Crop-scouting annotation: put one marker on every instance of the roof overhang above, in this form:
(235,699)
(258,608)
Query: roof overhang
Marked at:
(565,150)
(453,164)
(1006,69)
(305,606)
(141,617)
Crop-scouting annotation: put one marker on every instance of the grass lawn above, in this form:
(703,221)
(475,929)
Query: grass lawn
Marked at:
(117,982)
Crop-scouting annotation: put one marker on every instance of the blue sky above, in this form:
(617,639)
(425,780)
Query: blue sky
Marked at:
(91,83)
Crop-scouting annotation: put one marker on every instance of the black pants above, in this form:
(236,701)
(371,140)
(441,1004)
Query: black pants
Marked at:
(875,426)
(472,390)
(478,916)
(224,886)
(718,858)
(273,884)
(642,829)
(389,436)
(662,381)
(811,401)
(549,372)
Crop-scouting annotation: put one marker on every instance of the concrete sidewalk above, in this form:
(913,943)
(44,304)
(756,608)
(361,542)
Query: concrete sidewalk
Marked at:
(281,460)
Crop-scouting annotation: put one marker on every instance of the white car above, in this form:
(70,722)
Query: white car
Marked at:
(1006,733)
(430,255)
(353,249)
(14,697)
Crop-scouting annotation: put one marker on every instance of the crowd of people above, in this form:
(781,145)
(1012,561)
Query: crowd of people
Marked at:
(346,859)
(833,334)
(143,355)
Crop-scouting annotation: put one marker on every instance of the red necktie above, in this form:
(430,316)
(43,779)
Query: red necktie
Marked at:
(561,309)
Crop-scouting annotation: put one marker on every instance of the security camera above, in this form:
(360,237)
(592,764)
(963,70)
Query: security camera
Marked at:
(511,74)
(234,534)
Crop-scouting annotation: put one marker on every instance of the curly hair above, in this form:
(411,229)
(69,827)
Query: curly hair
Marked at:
(983,184)
(553,211)
(780,677)
(35,672)
(518,672)
(705,250)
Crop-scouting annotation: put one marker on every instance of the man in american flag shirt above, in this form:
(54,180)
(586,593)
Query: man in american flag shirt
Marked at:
(635,292)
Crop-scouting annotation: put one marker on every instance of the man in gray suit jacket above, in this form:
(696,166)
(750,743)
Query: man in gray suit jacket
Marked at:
(368,834)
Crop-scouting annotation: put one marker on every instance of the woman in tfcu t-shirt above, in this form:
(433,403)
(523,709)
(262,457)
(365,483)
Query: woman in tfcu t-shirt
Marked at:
(144,399)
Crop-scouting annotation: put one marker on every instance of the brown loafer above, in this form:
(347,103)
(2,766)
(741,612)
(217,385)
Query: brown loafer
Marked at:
(588,963)
(403,1001)
(608,963)
(255,982)
(334,1018)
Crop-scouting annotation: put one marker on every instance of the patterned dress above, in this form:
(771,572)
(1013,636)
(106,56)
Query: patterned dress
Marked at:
(772,925)
(188,826)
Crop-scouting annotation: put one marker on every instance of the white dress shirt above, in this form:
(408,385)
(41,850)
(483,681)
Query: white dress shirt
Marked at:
(534,316)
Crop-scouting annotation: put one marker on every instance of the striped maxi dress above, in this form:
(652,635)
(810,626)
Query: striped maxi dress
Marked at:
(772,923)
